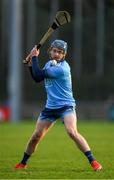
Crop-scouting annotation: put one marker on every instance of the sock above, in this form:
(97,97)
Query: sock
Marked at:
(25,158)
(89,155)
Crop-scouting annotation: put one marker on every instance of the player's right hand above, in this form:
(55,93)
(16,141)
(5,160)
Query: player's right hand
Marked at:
(35,51)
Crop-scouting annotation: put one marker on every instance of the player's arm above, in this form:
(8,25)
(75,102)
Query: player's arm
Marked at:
(36,78)
(37,74)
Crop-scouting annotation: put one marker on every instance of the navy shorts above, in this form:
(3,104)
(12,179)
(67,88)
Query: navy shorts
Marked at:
(54,114)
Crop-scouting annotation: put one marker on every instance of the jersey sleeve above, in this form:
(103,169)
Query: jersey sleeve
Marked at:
(37,74)
(54,71)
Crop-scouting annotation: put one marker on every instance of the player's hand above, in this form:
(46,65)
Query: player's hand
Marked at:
(35,52)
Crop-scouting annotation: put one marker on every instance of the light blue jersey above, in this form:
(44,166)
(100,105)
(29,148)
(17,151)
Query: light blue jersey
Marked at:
(58,85)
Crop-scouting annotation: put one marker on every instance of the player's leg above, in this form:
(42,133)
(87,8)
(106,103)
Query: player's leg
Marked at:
(41,129)
(70,122)
(42,126)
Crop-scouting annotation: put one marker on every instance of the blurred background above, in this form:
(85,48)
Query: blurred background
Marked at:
(90,37)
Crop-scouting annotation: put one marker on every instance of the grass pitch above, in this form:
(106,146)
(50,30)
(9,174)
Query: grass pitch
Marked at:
(57,157)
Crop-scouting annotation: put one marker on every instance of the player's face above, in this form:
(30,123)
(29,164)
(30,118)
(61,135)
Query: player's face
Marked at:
(57,54)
